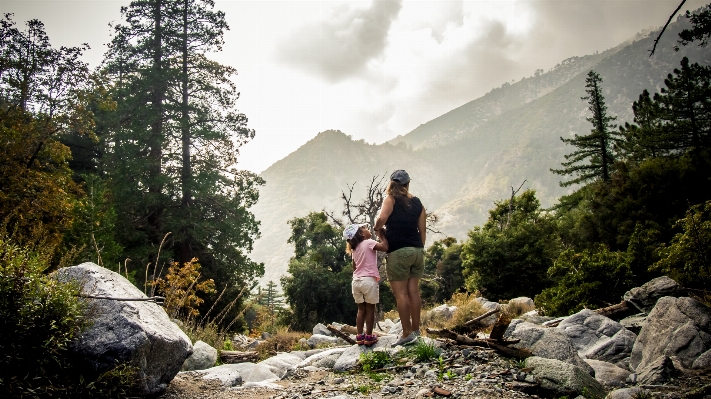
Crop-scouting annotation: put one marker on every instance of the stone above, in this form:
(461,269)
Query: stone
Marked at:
(139,333)
(349,358)
(549,343)
(318,339)
(442,312)
(678,327)
(327,362)
(534,317)
(228,376)
(658,372)
(386,325)
(489,306)
(608,374)
(266,335)
(204,356)
(282,364)
(562,378)
(625,393)
(312,359)
(396,329)
(253,345)
(645,297)
(249,372)
(523,300)
(338,380)
(634,322)
(321,329)
(598,337)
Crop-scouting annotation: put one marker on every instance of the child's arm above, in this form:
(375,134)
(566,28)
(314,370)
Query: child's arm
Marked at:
(382,246)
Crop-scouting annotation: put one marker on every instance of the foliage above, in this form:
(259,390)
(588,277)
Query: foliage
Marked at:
(687,258)
(597,147)
(443,271)
(467,308)
(423,351)
(180,288)
(591,279)
(373,360)
(39,318)
(509,256)
(700,27)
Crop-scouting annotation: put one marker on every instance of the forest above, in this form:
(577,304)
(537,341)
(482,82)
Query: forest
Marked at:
(133,166)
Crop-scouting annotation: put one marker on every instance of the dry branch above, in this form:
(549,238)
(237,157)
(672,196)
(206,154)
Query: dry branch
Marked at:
(238,357)
(341,335)
(482,317)
(499,345)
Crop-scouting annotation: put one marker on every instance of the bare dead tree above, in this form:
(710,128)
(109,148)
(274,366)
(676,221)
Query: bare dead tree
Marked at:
(513,194)
(365,211)
(431,221)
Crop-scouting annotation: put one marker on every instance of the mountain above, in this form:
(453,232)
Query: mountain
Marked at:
(463,161)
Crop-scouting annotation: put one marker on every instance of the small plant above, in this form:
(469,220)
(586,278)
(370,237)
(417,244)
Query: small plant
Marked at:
(377,377)
(468,377)
(374,360)
(227,345)
(283,340)
(364,389)
(519,363)
(423,351)
(440,368)
(642,394)
(450,375)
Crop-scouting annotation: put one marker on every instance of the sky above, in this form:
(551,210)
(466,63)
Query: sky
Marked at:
(373,69)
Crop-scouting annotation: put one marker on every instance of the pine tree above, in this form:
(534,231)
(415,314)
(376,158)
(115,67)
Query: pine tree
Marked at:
(272,299)
(594,157)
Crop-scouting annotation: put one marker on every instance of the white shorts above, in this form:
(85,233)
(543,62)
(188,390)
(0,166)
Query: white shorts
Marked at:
(365,289)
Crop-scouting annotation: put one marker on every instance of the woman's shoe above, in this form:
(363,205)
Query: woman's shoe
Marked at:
(360,339)
(370,340)
(406,340)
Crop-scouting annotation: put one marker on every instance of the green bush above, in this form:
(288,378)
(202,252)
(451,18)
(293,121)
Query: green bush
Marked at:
(370,361)
(39,318)
(423,351)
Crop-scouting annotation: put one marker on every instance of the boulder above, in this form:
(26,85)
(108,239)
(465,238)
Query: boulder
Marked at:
(282,364)
(204,356)
(678,327)
(598,337)
(523,301)
(634,322)
(136,332)
(442,312)
(534,317)
(228,376)
(386,325)
(561,378)
(626,393)
(320,329)
(252,373)
(658,372)
(311,360)
(317,339)
(549,343)
(645,297)
(608,374)
(396,329)
(349,358)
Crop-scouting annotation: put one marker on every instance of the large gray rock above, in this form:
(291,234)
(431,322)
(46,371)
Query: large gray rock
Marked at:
(349,358)
(136,332)
(658,372)
(523,301)
(488,306)
(252,373)
(443,312)
(625,393)
(645,297)
(608,374)
(227,375)
(634,322)
(204,356)
(549,343)
(321,330)
(598,337)
(282,364)
(678,327)
(562,378)
(312,359)
(396,329)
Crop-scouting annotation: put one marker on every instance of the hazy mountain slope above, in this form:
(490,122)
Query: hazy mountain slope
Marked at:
(469,157)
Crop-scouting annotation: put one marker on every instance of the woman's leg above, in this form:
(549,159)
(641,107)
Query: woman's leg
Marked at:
(400,291)
(360,318)
(369,318)
(413,292)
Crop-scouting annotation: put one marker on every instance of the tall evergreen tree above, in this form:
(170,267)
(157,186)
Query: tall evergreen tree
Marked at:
(594,157)
(174,151)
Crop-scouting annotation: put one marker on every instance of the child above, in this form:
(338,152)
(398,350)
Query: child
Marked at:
(366,291)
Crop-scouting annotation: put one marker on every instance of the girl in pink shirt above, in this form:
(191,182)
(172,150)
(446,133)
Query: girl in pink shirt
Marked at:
(365,288)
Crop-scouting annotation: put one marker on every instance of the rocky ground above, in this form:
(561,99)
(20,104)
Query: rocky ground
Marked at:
(464,373)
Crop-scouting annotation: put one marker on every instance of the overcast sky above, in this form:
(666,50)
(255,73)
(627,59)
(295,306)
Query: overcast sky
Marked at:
(372,69)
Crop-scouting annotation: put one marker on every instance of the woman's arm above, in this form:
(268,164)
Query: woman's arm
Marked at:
(382,245)
(422,225)
(385,212)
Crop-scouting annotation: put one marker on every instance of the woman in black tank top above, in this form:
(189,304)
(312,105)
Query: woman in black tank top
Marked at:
(403,218)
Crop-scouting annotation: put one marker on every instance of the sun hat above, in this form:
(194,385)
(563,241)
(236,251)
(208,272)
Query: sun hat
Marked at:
(350,231)
(400,176)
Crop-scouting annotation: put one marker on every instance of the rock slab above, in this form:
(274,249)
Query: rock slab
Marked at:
(136,332)
(563,378)
(645,297)
(204,356)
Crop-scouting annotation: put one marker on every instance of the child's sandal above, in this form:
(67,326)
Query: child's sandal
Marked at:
(371,340)
(360,339)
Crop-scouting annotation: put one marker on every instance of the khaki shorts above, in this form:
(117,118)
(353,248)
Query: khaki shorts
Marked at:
(405,263)
(365,289)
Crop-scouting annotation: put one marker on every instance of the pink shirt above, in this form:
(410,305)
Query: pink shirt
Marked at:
(366,259)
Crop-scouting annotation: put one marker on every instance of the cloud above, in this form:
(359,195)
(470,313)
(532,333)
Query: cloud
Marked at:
(342,45)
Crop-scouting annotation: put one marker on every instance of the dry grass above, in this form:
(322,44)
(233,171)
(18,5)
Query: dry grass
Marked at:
(208,333)
(467,308)
(282,340)
(516,309)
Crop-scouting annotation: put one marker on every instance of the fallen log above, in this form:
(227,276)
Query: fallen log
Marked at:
(499,345)
(618,311)
(341,335)
(352,330)
(238,357)
(479,318)
(497,332)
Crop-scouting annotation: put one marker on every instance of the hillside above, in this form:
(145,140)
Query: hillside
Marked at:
(464,160)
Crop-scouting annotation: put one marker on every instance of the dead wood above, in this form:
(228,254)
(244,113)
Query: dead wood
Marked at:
(497,332)
(238,357)
(499,345)
(339,334)
(618,311)
(482,317)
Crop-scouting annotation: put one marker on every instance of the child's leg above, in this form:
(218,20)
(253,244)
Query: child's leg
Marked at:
(360,318)
(369,317)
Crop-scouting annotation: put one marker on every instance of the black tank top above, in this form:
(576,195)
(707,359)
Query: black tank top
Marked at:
(401,228)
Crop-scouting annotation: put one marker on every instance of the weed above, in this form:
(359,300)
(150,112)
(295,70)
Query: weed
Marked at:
(468,377)
(467,308)
(440,368)
(423,351)
(364,389)
(449,374)
(324,345)
(227,345)
(377,377)
(642,394)
(374,360)
(519,363)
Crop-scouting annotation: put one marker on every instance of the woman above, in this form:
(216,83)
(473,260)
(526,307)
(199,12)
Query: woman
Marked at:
(403,219)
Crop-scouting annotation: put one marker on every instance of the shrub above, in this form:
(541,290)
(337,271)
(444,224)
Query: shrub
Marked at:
(516,309)
(374,360)
(283,340)
(423,351)
(39,318)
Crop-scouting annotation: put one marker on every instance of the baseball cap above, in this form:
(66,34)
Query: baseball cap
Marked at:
(350,231)
(400,176)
